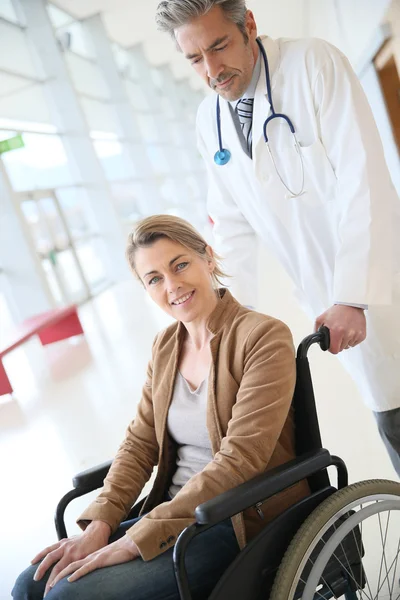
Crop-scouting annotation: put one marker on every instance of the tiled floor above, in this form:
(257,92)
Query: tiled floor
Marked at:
(73,401)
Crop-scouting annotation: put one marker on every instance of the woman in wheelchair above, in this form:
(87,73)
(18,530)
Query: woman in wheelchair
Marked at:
(215,412)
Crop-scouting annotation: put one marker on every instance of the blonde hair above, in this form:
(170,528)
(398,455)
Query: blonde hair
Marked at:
(156,227)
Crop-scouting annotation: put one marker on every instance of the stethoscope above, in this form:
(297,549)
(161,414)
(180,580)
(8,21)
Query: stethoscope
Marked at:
(223,156)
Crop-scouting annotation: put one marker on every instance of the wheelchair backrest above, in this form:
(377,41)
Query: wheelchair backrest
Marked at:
(307,432)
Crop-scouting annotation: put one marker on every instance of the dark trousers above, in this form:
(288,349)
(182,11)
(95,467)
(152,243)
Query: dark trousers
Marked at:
(208,556)
(389,428)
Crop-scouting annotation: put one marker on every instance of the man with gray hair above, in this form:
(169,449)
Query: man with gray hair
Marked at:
(294,158)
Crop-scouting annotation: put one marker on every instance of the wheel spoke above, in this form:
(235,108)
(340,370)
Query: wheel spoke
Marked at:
(347,571)
(322,578)
(395,568)
(351,576)
(383,559)
(394,561)
(360,555)
(383,540)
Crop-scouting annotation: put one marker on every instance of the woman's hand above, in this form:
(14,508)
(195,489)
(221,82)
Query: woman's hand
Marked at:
(121,551)
(70,550)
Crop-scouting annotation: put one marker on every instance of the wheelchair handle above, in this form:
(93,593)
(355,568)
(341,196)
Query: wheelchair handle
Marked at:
(321,337)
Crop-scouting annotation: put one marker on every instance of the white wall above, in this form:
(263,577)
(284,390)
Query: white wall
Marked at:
(371,85)
(349,24)
(360,19)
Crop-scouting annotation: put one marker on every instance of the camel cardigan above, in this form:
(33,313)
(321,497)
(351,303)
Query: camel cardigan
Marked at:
(249,420)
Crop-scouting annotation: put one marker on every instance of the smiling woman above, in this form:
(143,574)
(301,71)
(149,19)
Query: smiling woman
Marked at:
(214,413)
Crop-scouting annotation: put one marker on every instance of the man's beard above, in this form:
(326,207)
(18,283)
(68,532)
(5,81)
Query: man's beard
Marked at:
(226,93)
(224,77)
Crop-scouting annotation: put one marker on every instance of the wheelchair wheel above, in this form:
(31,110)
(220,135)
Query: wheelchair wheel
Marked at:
(349,547)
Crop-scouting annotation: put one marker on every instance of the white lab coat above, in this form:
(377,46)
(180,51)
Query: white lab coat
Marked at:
(340,241)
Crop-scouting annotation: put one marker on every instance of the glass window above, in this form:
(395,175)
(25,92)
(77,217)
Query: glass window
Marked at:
(179,160)
(67,275)
(45,246)
(177,131)
(14,125)
(167,107)
(138,65)
(158,159)
(148,128)
(47,228)
(37,226)
(137,95)
(196,187)
(18,55)
(58,17)
(114,157)
(92,257)
(86,76)
(121,58)
(53,282)
(166,129)
(78,211)
(22,99)
(78,38)
(79,216)
(7,316)
(54,223)
(42,163)
(168,191)
(7,11)
(130,200)
(100,116)
(52,231)
(157,78)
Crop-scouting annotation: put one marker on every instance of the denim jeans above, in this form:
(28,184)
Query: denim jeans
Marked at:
(208,556)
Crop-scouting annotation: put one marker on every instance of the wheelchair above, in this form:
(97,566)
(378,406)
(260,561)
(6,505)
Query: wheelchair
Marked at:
(338,542)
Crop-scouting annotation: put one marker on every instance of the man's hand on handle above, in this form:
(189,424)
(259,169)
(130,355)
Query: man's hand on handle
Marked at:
(347,326)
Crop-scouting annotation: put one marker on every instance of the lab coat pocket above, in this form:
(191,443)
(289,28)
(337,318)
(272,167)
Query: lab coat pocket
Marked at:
(320,181)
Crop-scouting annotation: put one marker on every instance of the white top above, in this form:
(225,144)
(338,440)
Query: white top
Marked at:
(187,426)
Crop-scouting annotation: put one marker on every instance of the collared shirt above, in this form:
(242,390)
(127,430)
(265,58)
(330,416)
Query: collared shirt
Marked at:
(249,93)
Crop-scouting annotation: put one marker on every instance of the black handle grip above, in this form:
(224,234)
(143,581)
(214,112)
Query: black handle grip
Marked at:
(325,340)
(321,337)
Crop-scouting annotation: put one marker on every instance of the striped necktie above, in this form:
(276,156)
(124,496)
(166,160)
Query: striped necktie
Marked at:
(244,109)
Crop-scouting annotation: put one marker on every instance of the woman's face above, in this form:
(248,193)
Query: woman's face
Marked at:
(177,279)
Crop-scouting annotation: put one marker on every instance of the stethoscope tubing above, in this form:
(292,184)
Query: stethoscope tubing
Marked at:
(222,156)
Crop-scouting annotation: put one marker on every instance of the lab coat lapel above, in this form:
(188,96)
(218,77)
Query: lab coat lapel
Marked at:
(262,108)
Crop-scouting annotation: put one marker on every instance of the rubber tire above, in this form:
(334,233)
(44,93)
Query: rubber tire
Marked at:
(312,526)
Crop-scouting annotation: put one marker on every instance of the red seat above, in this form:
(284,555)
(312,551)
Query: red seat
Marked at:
(51,326)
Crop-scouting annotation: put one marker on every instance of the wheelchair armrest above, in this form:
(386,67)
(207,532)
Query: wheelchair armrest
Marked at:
(92,478)
(262,487)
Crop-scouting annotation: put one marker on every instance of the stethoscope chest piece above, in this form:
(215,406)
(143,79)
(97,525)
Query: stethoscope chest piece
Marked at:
(221,157)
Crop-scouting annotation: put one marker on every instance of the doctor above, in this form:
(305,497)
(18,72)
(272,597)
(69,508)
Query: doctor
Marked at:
(294,158)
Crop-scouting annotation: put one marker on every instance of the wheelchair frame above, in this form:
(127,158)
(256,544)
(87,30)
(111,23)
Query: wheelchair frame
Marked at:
(251,574)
